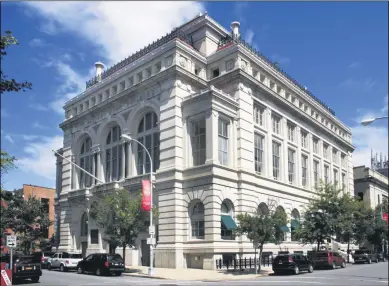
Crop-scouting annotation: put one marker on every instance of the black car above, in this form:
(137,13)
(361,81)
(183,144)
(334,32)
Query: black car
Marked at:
(364,255)
(294,263)
(101,264)
(24,266)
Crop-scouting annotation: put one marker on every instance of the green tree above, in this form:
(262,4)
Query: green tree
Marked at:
(6,84)
(264,226)
(27,219)
(120,215)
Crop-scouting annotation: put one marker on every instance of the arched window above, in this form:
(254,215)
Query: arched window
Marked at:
(86,162)
(282,227)
(227,223)
(148,135)
(197,221)
(294,224)
(84,225)
(113,155)
(263,209)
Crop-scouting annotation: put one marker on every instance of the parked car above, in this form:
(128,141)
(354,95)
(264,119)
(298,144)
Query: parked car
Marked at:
(328,259)
(44,256)
(64,261)
(101,264)
(294,263)
(365,255)
(24,266)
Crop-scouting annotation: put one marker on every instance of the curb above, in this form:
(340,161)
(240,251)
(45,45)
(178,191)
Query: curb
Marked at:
(143,276)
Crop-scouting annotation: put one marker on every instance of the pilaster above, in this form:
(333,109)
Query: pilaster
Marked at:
(211,125)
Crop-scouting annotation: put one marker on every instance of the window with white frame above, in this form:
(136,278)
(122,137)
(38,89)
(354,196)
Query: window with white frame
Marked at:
(336,179)
(291,131)
(343,181)
(259,114)
(197,221)
(148,135)
(291,165)
(258,152)
(304,167)
(113,155)
(198,142)
(326,174)
(276,148)
(316,172)
(315,145)
(325,151)
(276,123)
(334,156)
(86,161)
(304,139)
(223,142)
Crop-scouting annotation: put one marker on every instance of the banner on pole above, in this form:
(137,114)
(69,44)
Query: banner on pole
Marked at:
(146,195)
(385,216)
(6,277)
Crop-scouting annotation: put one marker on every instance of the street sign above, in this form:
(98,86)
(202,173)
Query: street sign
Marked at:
(6,276)
(151,240)
(11,241)
(385,216)
(151,229)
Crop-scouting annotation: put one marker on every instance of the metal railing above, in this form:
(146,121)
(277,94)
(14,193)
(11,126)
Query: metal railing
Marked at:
(242,264)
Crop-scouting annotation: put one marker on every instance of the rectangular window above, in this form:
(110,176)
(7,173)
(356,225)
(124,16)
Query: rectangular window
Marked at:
(291,165)
(334,156)
(276,147)
(223,142)
(198,142)
(315,145)
(325,151)
(276,122)
(343,181)
(94,236)
(197,229)
(343,159)
(259,112)
(304,137)
(291,129)
(258,152)
(336,179)
(326,174)
(304,162)
(316,172)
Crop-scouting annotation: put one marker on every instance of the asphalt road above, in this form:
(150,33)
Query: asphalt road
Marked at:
(352,275)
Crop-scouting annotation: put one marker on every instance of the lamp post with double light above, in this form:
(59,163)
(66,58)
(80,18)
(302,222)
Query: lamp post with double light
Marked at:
(151,228)
(368,121)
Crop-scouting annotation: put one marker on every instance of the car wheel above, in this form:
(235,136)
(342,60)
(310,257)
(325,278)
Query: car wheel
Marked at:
(118,273)
(35,279)
(376,261)
(62,268)
(369,261)
(333,265)
(80,270)
(310,268)
(296,270)
(98,272)
(343,265)
(49,267)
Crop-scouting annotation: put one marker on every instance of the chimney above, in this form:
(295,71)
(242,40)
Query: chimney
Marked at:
(235,29)
(99,68)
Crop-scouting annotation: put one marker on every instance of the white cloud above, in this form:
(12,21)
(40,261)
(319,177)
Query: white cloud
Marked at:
(37,125)
(372,137)
(384,109)
(9,138)
(116,28)
(37,43)
(366,85)
(249,36)
(283,61)
(40,159)
(354,65)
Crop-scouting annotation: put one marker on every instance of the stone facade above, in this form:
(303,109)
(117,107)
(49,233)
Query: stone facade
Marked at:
(220,122)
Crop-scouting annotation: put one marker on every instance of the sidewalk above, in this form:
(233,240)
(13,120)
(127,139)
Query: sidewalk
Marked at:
(195,274)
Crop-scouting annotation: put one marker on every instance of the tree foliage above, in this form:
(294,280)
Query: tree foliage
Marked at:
(28,219)
(262,227)
(7,85)
(119,213)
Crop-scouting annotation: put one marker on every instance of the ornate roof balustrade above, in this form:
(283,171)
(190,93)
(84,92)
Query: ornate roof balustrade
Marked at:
(228,40)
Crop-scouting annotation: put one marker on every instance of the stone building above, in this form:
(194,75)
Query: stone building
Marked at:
(227,129)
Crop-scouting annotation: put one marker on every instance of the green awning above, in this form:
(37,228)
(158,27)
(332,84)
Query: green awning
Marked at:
(284,228)
(228,222)
(295,223)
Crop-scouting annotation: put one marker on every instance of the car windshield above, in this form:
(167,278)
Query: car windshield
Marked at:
(322,254)
(115,257)
(282,258)
(360,252)
(75,256)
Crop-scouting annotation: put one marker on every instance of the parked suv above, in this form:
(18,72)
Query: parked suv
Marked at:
(364,255)
(101,264)
(45,257)
(294,263)
(64,261)
(325,259)
(24,266)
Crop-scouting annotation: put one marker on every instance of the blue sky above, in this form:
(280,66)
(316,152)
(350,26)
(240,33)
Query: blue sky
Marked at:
(339,50)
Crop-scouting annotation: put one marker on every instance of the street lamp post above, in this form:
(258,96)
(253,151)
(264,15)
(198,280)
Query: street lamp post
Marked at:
(368,121)
(151,228)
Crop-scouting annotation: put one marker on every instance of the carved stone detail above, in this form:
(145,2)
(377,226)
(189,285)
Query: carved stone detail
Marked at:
(229,65)
(169,61)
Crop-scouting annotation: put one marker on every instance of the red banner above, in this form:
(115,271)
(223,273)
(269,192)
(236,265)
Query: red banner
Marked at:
(146,195)
(385,216)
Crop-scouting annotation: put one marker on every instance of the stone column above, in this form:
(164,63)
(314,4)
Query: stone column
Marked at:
(93,180)
(268,164)
(298,162)
(87,201)
(123,161)
(129,171)
(284,152)
(211,125)
(75,174)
